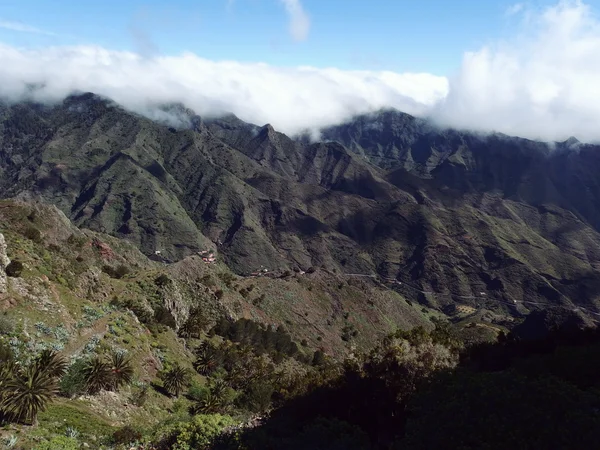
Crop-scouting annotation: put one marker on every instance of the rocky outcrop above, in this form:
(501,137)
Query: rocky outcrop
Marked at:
(4,261)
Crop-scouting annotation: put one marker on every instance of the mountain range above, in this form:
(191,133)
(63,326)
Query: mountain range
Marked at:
(455,217)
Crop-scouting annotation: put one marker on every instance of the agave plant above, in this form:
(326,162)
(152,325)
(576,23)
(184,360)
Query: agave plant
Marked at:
(28,392)
(71,432)
(122,371)
(97,375)
(51,362)
(176,379)
(10,441)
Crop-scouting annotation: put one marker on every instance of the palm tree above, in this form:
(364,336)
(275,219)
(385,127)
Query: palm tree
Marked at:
(52,362)
(176,379)
(97,375)
(208,405)
(122,371)
(215,401)
(28,392)
(207,359)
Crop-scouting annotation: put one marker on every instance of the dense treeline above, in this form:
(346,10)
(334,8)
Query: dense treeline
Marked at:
(421,390)
(262,339)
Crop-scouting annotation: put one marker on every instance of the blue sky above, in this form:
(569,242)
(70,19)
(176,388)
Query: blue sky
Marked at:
(399,35)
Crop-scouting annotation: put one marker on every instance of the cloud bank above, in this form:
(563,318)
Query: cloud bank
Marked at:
(290,99)
(545,84)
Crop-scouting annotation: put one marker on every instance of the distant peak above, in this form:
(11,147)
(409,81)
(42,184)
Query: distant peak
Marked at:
(572,140)
(87,97)
(267,132)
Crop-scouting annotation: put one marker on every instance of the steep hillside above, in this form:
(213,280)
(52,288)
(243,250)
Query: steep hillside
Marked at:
(489,221)
(85,294)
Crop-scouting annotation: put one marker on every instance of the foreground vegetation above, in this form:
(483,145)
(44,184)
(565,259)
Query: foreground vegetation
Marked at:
(415,390)
(102,348)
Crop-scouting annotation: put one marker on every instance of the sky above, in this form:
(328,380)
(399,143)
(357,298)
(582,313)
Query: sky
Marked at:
(530,69)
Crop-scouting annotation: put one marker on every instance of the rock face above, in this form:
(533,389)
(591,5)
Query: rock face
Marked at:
(4,261)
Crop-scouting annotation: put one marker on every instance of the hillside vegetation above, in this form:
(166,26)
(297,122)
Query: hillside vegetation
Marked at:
(78,308)
(219,285)
(455,214)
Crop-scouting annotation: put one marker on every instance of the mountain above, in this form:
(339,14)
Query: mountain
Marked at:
(489,221)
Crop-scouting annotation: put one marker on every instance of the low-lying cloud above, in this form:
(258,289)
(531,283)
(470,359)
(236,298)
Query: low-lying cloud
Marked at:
(290,99)
(543,84)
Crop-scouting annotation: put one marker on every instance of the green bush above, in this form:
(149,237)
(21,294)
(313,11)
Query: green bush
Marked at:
(162,280)
(126,435)
(119,272)
(7,325)
(59,443)
(14,269)
(257,397)
(197,433)
(73,382)
(33,233)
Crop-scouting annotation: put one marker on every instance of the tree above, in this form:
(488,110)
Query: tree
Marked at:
(97,375)
(217,399)
(207,358)
(51,362)
(122,370)
(28,392)
(176,379)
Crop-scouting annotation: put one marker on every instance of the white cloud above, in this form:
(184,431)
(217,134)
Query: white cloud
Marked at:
(543,84)
(514,9)
(299,20)
(290,99)
(23,28)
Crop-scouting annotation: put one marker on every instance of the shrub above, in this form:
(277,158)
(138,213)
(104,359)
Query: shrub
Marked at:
(139,397)
(198,433)
(257,397)
(33,234)
(163,316)
(59,443)
(126,435)
(14,268)
(119,272)
(6,325)
(73,382)
(162,280)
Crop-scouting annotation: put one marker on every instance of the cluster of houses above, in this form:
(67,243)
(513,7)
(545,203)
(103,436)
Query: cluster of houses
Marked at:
(207,256)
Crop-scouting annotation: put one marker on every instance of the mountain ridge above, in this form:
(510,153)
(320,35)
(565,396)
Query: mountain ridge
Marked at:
(387,194)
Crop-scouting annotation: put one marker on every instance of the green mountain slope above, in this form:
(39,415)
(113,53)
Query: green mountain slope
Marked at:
(486,221)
